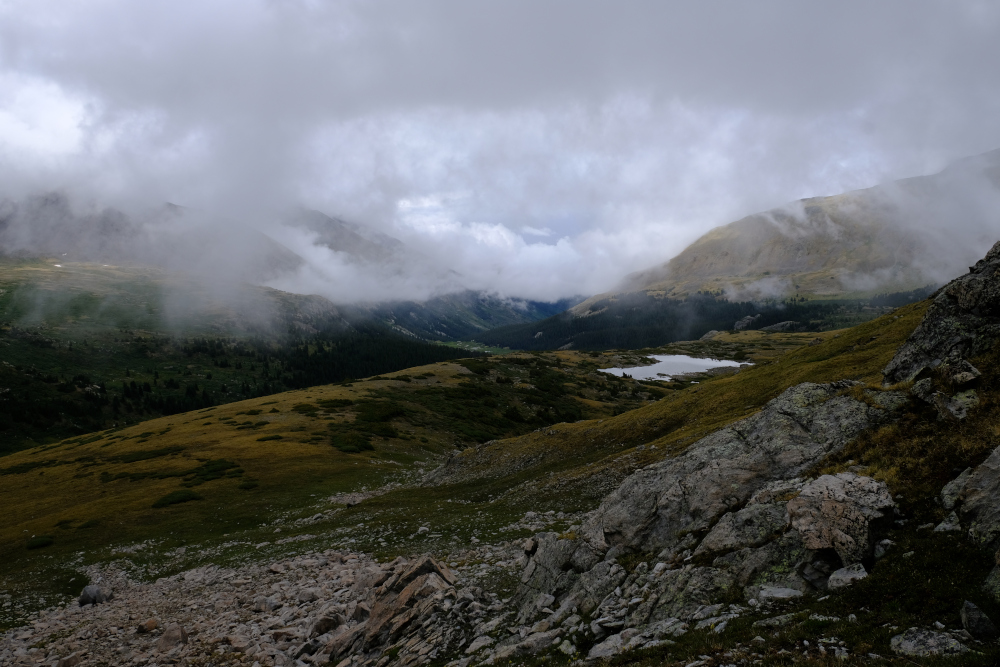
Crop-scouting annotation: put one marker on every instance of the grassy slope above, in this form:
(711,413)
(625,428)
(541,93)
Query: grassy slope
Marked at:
(564,467)
(72,336)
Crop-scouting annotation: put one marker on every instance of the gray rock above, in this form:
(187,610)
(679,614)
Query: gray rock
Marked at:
(71,660)
(715,621)
(777,621)
(745,322)
(957,324)
(538,641)
(710,335)
(845,512)
(730,486)
(607,648)
(923,389)
(882,547)
(174,635)
(962,373)
(656,507)
(752,526)
(922,643)
(308,595)
(976,623)
(959,405)
(325,624)
(479,643)
(847,576)
(980,501)
(950,524)
(951,491)
(682,592)
(93,594)
(776,593)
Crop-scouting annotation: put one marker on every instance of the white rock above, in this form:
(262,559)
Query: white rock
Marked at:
(768,593)
(846,576)
(607,648)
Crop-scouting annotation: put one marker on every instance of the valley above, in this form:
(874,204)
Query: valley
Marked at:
(264,477)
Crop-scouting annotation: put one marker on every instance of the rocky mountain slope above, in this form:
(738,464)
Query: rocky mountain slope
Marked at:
(888,238)
(839,503)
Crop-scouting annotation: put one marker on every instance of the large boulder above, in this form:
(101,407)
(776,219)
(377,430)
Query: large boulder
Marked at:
(844,512)
(919,643)
(723,503)
(658,507)
(963,320)
(94,594)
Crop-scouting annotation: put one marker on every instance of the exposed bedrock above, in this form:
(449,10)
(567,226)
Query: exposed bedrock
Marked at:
(962,321)
(718,515)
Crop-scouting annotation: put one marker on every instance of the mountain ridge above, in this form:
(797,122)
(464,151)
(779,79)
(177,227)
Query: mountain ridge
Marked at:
(886,238)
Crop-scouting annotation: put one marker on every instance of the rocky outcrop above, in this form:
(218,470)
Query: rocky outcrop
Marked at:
(963,320)
(94,594)
(844,512)
(730,513)
(923,643)
(666,507)
(310,609)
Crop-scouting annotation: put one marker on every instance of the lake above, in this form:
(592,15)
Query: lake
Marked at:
(670,365)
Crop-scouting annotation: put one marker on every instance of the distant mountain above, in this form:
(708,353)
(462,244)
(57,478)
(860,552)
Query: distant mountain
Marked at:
(888,238)
(223,257)
(818,263)
(360,243)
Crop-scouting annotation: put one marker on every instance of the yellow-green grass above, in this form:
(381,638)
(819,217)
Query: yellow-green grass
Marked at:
(683,417)
(563,467)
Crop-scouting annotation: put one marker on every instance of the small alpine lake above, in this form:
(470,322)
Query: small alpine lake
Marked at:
(669,365)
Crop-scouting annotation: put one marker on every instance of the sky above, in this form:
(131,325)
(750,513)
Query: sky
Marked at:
(537,149)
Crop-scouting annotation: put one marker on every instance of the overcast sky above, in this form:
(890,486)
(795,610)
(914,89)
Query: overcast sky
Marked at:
(538,148)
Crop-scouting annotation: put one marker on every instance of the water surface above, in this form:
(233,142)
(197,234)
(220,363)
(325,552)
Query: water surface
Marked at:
(669,365)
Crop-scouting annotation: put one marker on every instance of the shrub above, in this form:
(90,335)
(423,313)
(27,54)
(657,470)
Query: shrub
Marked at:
(379,411)
(382,429)
(176,497)
(351,442)
(334,403)
(39,541)
(269,437)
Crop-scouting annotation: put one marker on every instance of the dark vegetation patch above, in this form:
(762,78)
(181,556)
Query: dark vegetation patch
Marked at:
(86,366)
(40,541)
(133,457)
(268,438)
(177,497)
(28,466)
(351,442)
(206,472)
(638,320)
(335,403)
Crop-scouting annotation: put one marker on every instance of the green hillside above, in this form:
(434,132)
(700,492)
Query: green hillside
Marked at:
(89,346)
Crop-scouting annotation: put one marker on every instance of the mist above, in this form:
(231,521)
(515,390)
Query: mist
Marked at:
(535,150)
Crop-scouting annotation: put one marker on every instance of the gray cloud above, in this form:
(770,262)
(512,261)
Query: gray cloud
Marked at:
(622,129)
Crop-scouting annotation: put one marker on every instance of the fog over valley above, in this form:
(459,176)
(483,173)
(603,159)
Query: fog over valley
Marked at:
(371,151)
